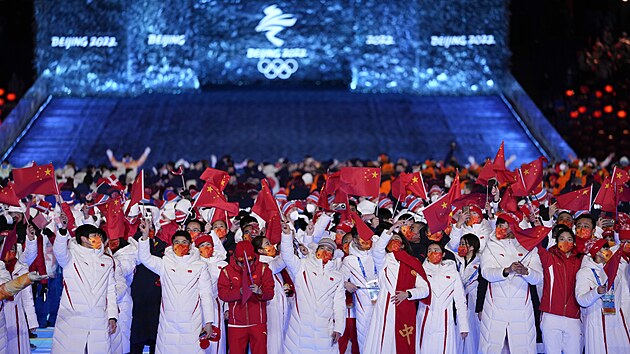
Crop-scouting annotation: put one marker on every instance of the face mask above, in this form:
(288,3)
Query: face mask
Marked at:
(96,242)
(437,236)
(325,256)
(247,236)
(271,251)
(473,220)
(607,255)
(151,233)
(435,257)
(565,246)
(406,231)
(583,232)
(567,223)
(255,230)
(294,215)
(310,208)
(346,248)
(181,249)
(206,251)
(365,245)
(194,234)
(462,251)
(221,232)
(394,245)
(434,197)
(501,233)
(338,239)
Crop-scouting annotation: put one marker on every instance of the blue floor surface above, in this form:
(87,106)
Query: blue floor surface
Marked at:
(266,125)
(44,341)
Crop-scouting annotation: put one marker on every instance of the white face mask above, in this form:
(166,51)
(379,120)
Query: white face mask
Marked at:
(434,197)
(294,215)
(310,208)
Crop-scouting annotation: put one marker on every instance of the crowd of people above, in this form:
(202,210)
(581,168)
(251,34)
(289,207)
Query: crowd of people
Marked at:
(364,274)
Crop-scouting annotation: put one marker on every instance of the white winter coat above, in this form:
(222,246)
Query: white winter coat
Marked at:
(88,299)
(186,298)
(20,312)
(381,337)
(602,334)
(215,263)
(508,304)
(5,276)
(483,231)
(437,322)
(469,275)
(277,308)
(360,277)
(319,303)
(125,259)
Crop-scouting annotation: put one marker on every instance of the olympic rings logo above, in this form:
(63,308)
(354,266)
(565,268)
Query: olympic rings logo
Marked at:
(277,68)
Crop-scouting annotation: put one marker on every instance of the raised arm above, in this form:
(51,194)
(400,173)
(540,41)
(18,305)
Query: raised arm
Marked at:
(150,261)
(286,251)
(143,157)
(30,251)
(320,227)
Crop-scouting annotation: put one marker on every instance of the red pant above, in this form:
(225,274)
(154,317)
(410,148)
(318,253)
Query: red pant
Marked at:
(256,335)
(349,335)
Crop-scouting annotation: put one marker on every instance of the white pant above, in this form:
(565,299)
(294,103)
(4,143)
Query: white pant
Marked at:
(561,334)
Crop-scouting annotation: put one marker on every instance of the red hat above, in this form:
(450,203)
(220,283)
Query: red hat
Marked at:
(623,226)
(344,226)
(220,215)
(475,208)
(203,238)
(594,245)
(242,248)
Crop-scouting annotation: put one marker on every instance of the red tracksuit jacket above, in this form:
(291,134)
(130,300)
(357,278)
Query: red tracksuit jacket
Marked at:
(559,297)
(254,311)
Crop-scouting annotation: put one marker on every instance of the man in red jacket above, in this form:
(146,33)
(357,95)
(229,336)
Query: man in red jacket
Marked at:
(246,285)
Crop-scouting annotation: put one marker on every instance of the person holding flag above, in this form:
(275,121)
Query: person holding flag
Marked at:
(507,319)
(402,280)
(246,284)
(602,299)
(186,294)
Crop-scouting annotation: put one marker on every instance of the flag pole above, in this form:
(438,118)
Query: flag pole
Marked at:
(249,271)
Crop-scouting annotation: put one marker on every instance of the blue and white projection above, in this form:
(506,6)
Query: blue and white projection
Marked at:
(92,47)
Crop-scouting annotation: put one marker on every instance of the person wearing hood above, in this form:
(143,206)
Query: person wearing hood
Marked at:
(402,282)
(319,317)
(361,279)
(88,312)
(507,319)
(187,311)
(437,322)
(213,254)
(125,256)
(602,302)
(560,324)
(278,308)
(246,284)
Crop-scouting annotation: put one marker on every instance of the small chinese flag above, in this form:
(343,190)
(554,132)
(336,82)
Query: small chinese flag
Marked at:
(361,181)
(35,180)
(217,178)
(576,200)
(8,197)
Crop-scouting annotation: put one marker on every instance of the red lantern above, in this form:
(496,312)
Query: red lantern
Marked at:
(608,88)
(608,109)
(11,96)
(622,114)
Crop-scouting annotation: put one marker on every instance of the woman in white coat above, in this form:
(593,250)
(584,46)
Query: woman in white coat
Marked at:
(468,265)
(603,321)
(402,280)
(186,293)
(507,320)
(125,258)
(5,277)
(318,319)
(277,308)
(212,252)
(437,322)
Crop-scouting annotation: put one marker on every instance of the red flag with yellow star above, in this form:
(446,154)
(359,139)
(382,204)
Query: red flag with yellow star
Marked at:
(619,176)
(606,196)
(498,165)
(576,200)
(529,238)
(532,173)
(137,191)
(409,182)
(8,197)
(115,225)
(361,181)
(211,196)
(455,192)
(365,233)
(438,213)
(35,180)
(216,177)
(266,207)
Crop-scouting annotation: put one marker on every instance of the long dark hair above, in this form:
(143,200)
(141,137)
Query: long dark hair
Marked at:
(472,240)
